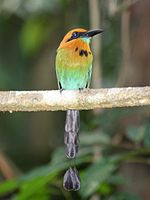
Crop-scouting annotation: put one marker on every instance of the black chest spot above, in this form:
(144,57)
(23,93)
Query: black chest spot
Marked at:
(83,53)
(76,49)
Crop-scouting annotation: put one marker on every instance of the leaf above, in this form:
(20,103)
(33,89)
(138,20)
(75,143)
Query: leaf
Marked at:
(35,189)
(147,135)
(35,183)
(135,134)
(105,189)
(124,196)
(53,168)
(94,138)
(8,187)
(117,180)
(96,175)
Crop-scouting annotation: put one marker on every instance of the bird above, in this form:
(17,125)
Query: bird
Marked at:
(74,60)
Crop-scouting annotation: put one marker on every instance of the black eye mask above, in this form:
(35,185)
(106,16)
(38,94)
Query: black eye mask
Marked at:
(75,35)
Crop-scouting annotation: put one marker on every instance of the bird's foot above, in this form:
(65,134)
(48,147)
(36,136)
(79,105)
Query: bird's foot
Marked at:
(61,90)
(80,89)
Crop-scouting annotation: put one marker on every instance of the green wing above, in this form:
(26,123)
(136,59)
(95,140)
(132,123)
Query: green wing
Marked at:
(89,76)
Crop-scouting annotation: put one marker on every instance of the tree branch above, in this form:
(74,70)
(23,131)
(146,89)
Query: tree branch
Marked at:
(83,100)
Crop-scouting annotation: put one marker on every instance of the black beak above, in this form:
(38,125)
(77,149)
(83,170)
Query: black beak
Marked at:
(91,33)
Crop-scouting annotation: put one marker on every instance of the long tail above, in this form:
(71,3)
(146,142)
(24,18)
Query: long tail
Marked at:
(72,126)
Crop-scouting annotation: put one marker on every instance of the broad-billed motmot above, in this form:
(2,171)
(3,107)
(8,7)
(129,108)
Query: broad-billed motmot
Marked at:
(73,69)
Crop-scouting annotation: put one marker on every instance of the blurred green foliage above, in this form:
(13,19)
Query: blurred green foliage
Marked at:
(28,30)
(34,35)
(99,176)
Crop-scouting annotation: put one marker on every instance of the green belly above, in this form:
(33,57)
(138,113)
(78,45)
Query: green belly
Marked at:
(72,79)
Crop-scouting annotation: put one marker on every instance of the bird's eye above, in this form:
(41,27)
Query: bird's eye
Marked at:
(75,34)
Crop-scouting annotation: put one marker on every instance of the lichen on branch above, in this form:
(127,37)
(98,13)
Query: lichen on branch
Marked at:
(86,99)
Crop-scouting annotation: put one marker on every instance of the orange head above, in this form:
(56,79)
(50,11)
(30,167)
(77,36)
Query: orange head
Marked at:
(78,36)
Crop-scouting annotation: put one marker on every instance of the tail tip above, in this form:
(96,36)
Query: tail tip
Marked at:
(71,180)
